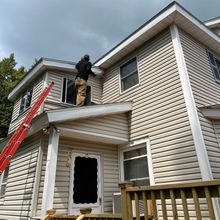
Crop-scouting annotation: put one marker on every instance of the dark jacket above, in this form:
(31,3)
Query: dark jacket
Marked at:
(84,69)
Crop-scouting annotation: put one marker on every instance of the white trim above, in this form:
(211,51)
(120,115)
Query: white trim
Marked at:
(43,87)
(88,111)
(120,86)
(199,142)
(213,23)
(37,181)
(150,163)
(96,208)
(50,174)
(134,145)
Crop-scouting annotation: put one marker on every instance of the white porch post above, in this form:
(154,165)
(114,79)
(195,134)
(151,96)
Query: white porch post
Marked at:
(50,174)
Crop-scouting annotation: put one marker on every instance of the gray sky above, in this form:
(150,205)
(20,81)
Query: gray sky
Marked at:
(66,29)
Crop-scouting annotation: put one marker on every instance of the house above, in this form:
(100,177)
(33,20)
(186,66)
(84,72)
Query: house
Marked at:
(152,117)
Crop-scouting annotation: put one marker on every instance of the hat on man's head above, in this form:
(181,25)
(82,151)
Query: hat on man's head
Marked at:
(86,57)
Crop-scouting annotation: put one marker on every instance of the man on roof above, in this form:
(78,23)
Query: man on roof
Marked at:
(84,69)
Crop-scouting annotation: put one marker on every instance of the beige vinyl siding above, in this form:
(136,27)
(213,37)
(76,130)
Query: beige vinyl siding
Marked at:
(16,109)
(19,189)
(159,110)
(16,118)
(111,125)
(53,100)
(206,92)
(109,170)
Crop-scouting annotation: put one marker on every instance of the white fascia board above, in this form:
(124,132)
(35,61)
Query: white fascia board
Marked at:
(199,143)
(211,113)
(138,34)
(88,111)
(213,23)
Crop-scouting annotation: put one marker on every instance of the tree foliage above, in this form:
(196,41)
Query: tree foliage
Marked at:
(9,76)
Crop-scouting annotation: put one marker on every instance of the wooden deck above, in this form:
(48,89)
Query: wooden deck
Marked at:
(173,201)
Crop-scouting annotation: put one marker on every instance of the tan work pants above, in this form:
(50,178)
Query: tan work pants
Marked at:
(81,91)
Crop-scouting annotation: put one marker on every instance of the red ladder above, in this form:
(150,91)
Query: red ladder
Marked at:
(18,136)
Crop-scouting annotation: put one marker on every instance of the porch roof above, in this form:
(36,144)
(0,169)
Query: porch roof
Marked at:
(60,118)
(211,111)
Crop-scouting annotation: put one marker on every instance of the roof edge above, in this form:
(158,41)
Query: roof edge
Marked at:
(88,111)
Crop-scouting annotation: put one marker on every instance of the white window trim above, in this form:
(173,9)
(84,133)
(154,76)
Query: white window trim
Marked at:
(1,179)
(61,94)
(120,87)
(133,146)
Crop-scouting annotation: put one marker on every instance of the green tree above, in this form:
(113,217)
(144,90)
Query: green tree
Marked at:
(9,76)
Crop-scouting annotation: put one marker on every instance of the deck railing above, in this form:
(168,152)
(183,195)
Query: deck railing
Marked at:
(176,201)
(86,217)
(185,201)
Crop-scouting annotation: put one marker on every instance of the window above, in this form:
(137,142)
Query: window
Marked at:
(129,75)
(135,165)
(215,65)
(3,181)
(26,100)
(69,92)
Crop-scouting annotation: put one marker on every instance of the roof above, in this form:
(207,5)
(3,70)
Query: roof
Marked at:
(211,111)
(39,67)
(69,114)
(213,23)
(173,13)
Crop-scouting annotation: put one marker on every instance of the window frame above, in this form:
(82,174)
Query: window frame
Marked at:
(214,66)
(120,77)
(61,97)
(133,146)
(22,97)
(3,183)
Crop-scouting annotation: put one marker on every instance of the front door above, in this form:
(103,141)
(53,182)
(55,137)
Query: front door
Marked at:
(85,185)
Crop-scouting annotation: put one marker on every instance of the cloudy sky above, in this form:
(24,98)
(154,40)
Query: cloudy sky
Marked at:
(66,29)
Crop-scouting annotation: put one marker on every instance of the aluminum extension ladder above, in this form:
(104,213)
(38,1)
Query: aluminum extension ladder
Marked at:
(21,132)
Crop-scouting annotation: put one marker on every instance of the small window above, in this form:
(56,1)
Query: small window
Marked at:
(3,181)
(129,75)
(215,65)
(26,100)
(69,92)
(136,165)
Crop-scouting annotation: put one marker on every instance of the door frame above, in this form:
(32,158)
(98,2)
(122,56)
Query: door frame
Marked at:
(98,207)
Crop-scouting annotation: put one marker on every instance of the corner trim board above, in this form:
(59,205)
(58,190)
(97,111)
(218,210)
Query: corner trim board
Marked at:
(199,142)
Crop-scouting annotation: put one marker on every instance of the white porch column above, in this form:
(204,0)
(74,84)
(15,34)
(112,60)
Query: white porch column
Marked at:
(50,174)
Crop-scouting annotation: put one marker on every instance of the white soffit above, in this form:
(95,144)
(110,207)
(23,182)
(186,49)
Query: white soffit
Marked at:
(87,111)
(172,14)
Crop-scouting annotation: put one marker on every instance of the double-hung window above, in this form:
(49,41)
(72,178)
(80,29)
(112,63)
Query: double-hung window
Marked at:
(135,165)
(3,182)
(215,65)
(69,92)
(26,100)
(129,74)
